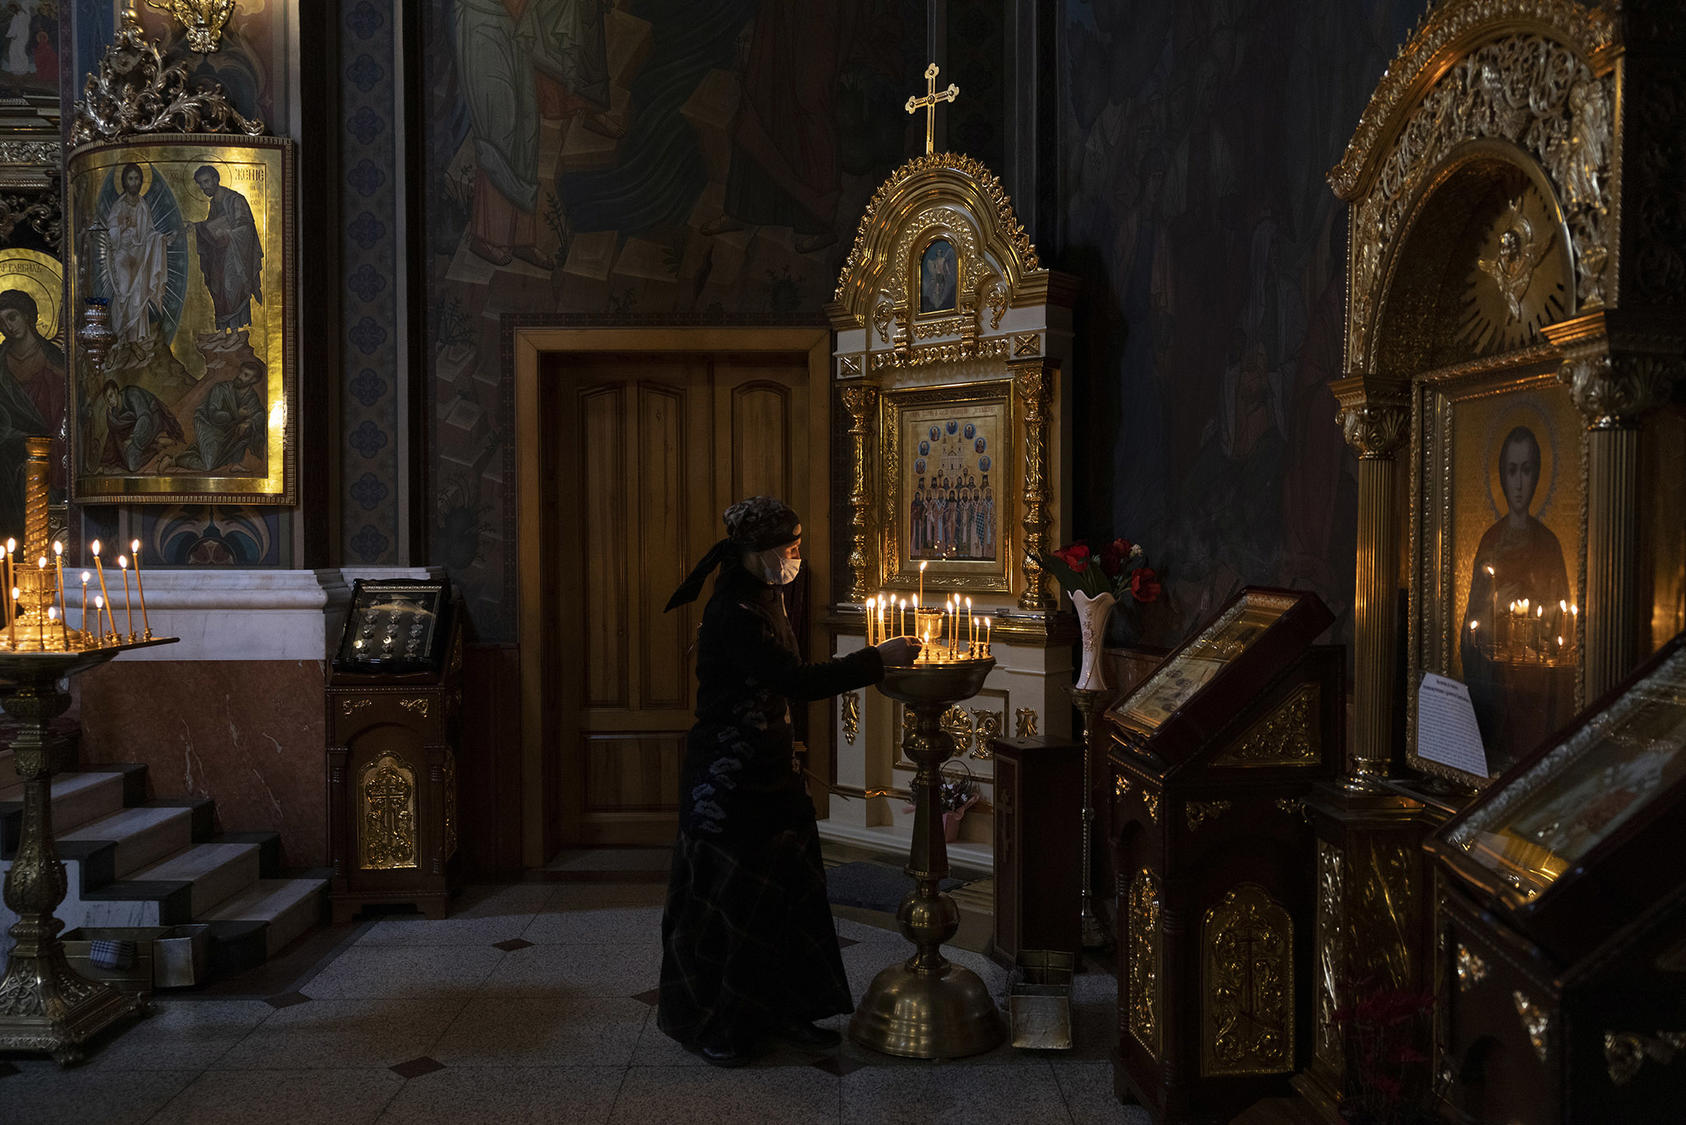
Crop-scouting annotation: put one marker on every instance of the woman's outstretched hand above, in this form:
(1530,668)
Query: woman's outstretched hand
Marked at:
(899,651)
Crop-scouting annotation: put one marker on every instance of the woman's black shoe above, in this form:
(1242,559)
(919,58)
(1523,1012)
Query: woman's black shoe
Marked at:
(723,1056)
(807,1035)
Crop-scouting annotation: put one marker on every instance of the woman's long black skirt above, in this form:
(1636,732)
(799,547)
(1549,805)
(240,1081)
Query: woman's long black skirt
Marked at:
(748,941)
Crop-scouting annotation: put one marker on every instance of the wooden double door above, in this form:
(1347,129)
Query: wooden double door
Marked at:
(643,453)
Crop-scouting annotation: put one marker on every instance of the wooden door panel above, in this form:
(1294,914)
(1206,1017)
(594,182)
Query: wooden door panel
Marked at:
(761,454)
(632,774)
(600,553)
(660,516)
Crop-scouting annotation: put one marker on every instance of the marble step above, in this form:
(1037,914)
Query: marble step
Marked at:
(290,907)
(147,833)
(77,798)
(216,872)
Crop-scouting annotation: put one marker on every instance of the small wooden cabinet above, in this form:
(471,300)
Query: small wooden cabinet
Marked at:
(1038,846)
(394,724)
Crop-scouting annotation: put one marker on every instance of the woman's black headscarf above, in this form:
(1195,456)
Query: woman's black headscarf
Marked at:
(759,523)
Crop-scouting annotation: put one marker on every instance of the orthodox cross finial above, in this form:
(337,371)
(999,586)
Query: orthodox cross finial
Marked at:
(929,102)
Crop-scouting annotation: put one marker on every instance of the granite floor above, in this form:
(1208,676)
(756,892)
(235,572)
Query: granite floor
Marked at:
(532,1002)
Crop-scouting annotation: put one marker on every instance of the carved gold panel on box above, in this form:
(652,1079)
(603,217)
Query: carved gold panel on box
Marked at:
(1288,736)
(1247,985)
(1144,954)
(386,830)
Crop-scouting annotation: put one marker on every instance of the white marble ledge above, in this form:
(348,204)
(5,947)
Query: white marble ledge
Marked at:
(220,614)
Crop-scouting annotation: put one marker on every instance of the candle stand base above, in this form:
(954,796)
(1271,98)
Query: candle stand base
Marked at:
(1095,934)
(927,1007)
(45,1005)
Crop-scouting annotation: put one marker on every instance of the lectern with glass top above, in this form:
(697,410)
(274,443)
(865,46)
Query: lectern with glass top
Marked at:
(394,723)
(1212,756)
(1560,918)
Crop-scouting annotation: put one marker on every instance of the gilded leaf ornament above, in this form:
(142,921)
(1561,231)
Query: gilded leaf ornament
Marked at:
(136,91)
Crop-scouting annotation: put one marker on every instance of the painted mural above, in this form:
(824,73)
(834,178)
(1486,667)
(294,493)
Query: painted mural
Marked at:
(1194,140)
(642,160)
(29,48)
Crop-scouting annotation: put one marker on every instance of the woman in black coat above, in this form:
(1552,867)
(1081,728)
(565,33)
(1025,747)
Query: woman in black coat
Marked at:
(748,945)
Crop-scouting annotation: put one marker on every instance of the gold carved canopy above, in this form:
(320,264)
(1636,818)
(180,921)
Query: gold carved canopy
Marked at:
(948,196)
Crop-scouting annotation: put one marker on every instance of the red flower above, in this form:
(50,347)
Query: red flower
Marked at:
(1113,557)
(1144,584)
(1075,556)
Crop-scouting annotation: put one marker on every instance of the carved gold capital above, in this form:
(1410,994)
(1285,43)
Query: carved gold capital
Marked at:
(1614,391)
(1374,414)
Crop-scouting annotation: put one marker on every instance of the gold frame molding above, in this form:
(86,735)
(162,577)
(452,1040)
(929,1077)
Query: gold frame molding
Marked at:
(529,345)
(1432,598)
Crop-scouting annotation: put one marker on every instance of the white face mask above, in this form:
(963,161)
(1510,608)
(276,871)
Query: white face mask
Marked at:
(772,566)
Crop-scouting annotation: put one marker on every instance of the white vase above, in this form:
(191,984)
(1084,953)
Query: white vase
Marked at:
(1092,615)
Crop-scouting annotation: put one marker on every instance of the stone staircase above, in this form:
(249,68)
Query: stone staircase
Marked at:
(131,861)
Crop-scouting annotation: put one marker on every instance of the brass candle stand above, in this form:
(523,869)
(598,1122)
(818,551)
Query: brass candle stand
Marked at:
(1095,933)
(928,1007)
(45,1005)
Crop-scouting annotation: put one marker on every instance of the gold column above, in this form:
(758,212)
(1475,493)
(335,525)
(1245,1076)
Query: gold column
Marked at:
(1033,380)
(1374,419)
(1612,385)
(860,400)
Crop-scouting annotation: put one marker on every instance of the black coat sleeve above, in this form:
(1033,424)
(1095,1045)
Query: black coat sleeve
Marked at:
(781,670)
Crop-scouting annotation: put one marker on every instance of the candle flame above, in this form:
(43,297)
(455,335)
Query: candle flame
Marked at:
(52,613)
(1559,642)
(85,577)
(1563,606)
(1489,570)
(123,562)
(94,547)
(1539,611)
(134,545)
(99,602)
(41,563)
(58,548)
(922,567)
(1472,625)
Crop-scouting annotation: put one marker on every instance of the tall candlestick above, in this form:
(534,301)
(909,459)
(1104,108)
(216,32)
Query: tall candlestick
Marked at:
(3,556)
(99,626)
(58,571)
(85,577)
(988,621)
(866,607)
(921,584)
(41,618)
(11,576)
(971,629)
(12,619)
(105,594)
(146,624)
(128,608)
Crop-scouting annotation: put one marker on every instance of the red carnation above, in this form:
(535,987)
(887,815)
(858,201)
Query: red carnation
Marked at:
(1113,557)
(1144,584)
(1075,556)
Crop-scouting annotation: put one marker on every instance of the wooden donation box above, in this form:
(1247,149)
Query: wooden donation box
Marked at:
(1038,846)
(1560,916)
(394,722)
(1212,757)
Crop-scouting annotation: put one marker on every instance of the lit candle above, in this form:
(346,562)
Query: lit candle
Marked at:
(105,595)
(12,619)
(988,622)
(53,615)
(99,626)
(882,633)
(85,577)
(12,567)
(971,628)
(8,615)
(58,573)
(146,624)
(921,584)
(40,586)
(868,608)
(128,607)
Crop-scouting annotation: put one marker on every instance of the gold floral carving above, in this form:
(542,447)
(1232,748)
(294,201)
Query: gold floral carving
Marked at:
(851,716)
(1120,785)
(203,19)
(1382,913)
(1331,954)
(1024,722)
(135,91)
(1150,802)
(1625,1053)
(1247,985)
(987,725)
(352,706)
(1199,812)
(861,401)
(958,725)
(996,295)
(944,172)
(1534,90)
(416,707)
(1026,345)
(450,804)
(387,828)
(1142,918)
(930,329)
(1612,392)
(41,210)
(1293,806)
(1536,1021)
(925,355)
(1375,429)
(1287,736)
(1032,380)
(1472,970)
